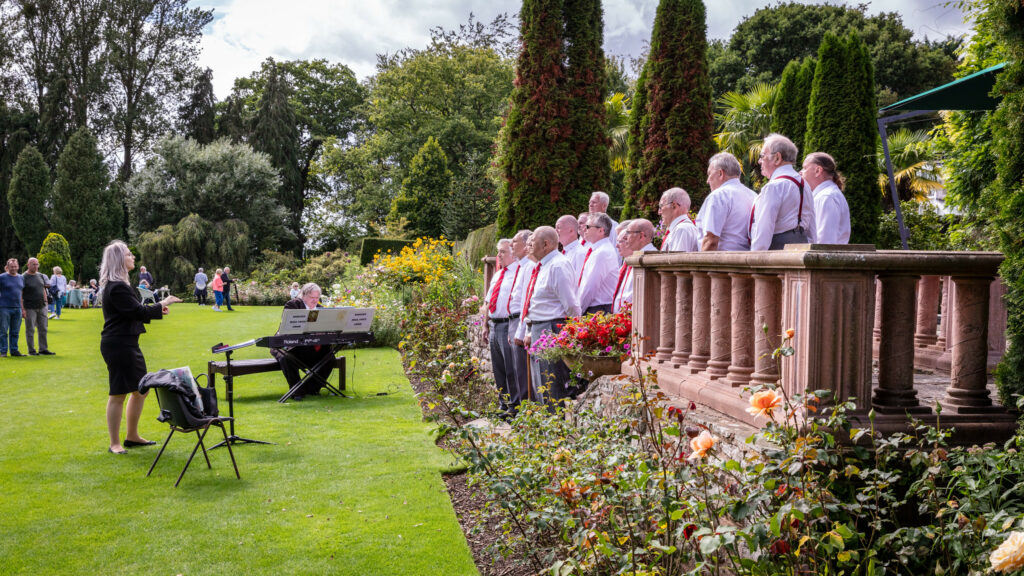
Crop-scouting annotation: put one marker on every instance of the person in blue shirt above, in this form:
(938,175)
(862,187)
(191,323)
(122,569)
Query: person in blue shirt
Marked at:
(11,312)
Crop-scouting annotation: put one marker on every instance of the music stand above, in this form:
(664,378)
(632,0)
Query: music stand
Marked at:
(229,393)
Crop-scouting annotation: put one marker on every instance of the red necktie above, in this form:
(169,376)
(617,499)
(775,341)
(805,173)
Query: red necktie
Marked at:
(508,304)
(529,290)
(622,276)
(584,267)
(664,239)
(492,306)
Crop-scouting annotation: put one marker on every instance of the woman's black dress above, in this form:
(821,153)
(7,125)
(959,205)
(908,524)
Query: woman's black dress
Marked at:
(123,319)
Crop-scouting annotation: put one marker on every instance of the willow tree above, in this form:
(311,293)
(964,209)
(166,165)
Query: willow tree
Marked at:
(677,119)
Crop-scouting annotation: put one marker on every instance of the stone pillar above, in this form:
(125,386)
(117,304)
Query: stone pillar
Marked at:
(742,365)
(667,340)
(968,390)
(646,320)
(721,325)
(684,319)
(996,322)
(944,313)
(945,361)
(877,331)
(767,324)
(700,351)
(927,311)
(895,393)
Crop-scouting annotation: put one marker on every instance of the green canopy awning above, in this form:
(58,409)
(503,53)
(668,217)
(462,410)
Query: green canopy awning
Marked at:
(967,93)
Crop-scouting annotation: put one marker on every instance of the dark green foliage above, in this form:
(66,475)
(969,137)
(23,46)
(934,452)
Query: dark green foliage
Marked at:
(372,246)
(1008,131)
(276,134)
(230,119)
(220,181)
(472,200)
(479,243)
(789,116)
(928,229)
(636,138)
(538,156)
(425,192)
(15,133)
(585,81)
(85,210)
(677,130)
(28,198)
(841,122)
(55,251)
(197,116)
(175,252)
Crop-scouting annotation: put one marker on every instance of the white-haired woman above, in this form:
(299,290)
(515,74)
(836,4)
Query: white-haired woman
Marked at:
(123,319)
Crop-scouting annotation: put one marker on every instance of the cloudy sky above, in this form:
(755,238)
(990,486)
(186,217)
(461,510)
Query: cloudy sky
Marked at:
(245,32)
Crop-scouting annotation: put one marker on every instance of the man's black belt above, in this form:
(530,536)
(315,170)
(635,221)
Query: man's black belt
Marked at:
(555,320)
(500,320)
(514,316)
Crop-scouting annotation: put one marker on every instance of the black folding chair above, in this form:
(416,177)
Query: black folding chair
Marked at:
(176,414)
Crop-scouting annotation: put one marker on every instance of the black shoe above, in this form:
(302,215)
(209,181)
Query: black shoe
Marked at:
(16,354)
(47,353)
(111,450)
(299,397)
(33,353)
(133,444)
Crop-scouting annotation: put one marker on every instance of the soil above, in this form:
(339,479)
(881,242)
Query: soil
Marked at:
(467,505)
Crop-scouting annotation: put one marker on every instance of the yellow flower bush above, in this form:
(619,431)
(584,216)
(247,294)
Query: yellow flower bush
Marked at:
(426,261)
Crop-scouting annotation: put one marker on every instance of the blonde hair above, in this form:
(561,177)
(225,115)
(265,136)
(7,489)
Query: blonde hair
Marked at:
(113,268)
(57,270)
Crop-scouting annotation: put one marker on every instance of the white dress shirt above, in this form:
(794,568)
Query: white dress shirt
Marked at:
(625,293)
(521,276)
(832,214)
(778,208)
(554,292)
(575,252)
(597,279)
(504,292)
(726,214)
(683,236)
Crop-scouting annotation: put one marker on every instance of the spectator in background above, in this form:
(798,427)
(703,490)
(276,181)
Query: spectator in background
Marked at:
(93,292)
(226,279)
(295,291)
(217,285)
(200,291)
(33,301)
(59,291)
(11,312)
(145,275)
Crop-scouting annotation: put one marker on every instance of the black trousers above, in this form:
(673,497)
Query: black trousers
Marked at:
(309,356)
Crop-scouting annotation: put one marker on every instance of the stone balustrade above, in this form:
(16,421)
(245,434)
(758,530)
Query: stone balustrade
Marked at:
(710,321)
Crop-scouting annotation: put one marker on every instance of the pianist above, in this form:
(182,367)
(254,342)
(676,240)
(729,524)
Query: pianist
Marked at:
(309,299)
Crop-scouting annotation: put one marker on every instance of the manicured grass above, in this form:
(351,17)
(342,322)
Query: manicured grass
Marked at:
(352,486)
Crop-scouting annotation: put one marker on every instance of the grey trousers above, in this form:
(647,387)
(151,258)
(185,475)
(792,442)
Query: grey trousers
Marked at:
(552,376)
(794,236)
(35,318)
(521,365)
(503,364)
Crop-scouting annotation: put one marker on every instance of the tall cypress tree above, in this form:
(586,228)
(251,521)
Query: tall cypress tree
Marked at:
(276,133)
(196,117)
(16,131)
(424,191)
(85,210)
(636,140)
(677,139)
(585,80)
(28,198)
(538,158)
(841,122)
(1008,133)
(789,117)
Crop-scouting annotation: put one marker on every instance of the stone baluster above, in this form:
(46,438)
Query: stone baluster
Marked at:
(945,360)
(927,311)
(877,331)
(996,322)
(667,341)
(895,393)
(767,325)
(940,341)
(700,351)
(646,320)
(721,325)
(742,365)
(968,392)
(684,319)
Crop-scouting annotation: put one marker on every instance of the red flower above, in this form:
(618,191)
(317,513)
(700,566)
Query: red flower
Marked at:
(779,547)
(688,531)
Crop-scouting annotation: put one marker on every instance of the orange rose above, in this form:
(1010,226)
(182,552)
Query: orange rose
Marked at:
(1010,554)
(764,403)
(789,334)
(701,444)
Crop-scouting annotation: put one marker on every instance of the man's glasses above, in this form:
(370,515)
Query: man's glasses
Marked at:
(591,226)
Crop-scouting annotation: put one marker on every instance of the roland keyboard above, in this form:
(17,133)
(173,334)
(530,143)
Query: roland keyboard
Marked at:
(315,339)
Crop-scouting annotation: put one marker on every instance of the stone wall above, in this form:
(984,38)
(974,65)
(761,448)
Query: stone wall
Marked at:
(477,346)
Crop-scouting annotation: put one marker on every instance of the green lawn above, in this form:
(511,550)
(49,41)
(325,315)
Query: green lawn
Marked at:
(352,486)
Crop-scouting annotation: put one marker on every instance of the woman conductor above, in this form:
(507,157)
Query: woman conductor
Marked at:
(123,319)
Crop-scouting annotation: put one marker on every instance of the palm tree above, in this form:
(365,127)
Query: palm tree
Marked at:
(913,164)
(744,120)
(616,113)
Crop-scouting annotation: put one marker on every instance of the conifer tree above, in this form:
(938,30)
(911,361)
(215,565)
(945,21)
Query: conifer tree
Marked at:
(538,158)
(276,133)
(841,122)
(585,81)
(196,117)
(28,198)
(1008,134)
(16,131)
(789,117)
(55,251)
(677,130)
(635,141)
(85,210)
(424,192)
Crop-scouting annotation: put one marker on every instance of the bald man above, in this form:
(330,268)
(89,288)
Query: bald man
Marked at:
(567,228)
(637,237)
(681,234)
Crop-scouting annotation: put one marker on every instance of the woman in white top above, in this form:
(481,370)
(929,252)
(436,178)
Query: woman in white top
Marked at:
(60,284)
(831,212)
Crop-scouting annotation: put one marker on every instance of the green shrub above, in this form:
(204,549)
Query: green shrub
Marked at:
(55,252)
(479,243)
(928,229)
(371,246)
